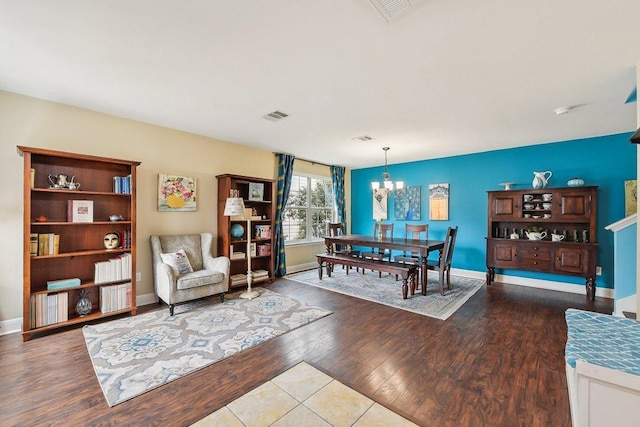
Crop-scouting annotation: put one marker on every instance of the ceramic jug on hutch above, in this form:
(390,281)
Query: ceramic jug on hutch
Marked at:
(540,179)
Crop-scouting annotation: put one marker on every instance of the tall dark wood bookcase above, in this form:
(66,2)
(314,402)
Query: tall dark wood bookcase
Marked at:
(263,211)
(570,212)
(81,244)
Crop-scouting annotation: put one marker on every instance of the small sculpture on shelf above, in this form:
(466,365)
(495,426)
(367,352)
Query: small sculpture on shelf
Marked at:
(112,240)
(83,307)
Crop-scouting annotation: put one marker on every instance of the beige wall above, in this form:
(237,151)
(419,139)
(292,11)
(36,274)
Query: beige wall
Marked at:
(32,122)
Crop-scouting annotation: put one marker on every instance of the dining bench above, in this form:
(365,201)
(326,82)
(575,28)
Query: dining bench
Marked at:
(407,272)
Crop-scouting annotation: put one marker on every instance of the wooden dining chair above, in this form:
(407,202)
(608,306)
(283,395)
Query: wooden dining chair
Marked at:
(386,231)
(443,264)
(413,231)
(337,229)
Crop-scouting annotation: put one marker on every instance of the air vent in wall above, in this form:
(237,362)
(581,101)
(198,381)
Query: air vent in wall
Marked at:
(363,138)
(391,9)
(275,116)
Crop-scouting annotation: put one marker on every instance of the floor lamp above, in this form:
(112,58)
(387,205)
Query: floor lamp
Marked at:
(234,206)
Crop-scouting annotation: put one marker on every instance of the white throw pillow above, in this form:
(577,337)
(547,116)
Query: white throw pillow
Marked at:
(178,262)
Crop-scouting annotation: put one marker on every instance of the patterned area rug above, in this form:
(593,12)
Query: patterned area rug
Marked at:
(387,291)
(136,354)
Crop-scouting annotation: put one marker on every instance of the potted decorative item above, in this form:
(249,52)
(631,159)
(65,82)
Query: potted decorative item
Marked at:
(83,307)
(575,182)
(535,232)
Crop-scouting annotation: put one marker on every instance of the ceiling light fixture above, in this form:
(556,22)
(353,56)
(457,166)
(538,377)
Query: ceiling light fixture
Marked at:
(387,184)
(562,110)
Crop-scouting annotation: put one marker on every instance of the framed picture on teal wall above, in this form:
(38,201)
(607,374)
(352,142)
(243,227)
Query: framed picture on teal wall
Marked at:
(379,204)
(439,202)
(407,204)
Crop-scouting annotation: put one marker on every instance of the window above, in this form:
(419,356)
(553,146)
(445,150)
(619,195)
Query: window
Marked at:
(308,210)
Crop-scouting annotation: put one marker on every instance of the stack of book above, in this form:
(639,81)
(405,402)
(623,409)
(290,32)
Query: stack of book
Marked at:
(116,297)
(44,244)
(237,255)
(113,270)
(47,309)
(260,274)
(238,278)
(264,250)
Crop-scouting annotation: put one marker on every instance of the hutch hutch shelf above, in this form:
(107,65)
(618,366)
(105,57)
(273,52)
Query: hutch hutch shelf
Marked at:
(569,213)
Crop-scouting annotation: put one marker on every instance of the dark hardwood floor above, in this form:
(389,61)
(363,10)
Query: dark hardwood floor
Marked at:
(498,361)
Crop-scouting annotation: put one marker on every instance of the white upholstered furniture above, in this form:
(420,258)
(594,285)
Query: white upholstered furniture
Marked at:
(603,369)
(210,276)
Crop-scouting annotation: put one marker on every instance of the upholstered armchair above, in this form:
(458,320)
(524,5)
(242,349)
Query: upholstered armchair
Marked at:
(185,270)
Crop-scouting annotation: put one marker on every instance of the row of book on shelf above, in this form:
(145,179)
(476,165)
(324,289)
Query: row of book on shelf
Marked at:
(122,184)
(44,244)
(49,243)
(47,309)
(113,270)
(256,250)
(116,297)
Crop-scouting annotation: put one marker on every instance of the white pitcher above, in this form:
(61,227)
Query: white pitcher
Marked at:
(540,179)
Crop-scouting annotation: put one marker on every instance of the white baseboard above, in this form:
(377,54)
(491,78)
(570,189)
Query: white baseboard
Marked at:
(513,280)
(625,304)
(13,326)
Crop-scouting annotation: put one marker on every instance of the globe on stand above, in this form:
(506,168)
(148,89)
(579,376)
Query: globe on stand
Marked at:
(237,230)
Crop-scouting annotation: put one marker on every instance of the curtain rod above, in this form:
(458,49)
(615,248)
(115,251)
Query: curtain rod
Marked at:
(313,162)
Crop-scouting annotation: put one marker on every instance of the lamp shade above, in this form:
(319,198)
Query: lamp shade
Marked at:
(234,206)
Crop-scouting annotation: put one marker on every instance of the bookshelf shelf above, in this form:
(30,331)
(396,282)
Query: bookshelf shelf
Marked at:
(78,246)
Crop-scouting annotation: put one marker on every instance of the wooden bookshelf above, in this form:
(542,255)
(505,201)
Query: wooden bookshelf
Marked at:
(81,244)
(264,209)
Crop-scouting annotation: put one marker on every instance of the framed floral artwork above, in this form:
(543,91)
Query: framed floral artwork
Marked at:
(176,193)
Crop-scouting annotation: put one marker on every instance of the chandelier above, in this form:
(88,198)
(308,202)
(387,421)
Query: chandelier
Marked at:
(387,184)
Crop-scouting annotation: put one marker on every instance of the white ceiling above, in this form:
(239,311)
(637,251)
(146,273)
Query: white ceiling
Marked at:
(445,78)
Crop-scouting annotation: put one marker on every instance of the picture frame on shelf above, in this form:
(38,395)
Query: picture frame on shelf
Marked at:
(256,191)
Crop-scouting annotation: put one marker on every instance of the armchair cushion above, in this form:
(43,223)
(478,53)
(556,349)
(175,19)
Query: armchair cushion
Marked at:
(178,262)
(199,278)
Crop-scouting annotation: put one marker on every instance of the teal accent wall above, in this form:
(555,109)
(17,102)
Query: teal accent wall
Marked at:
(605,161)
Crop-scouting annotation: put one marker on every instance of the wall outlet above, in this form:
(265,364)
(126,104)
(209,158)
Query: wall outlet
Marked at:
(598,271)
(138,276)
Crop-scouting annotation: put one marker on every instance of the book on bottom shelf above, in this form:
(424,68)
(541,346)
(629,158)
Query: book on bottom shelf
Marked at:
(238,277)
(48,309)
(115,297)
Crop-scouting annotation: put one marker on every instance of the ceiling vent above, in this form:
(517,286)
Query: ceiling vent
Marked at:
(275,116)
(391,9)
(363,138)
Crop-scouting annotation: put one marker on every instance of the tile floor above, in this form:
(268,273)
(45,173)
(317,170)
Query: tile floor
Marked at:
(303,397)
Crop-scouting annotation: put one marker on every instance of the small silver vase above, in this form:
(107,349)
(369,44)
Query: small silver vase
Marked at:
(83,307)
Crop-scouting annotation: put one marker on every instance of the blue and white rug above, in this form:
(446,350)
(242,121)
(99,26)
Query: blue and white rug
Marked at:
(388,291)
(136,354)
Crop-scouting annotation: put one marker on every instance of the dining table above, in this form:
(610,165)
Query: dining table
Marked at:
(421,247)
